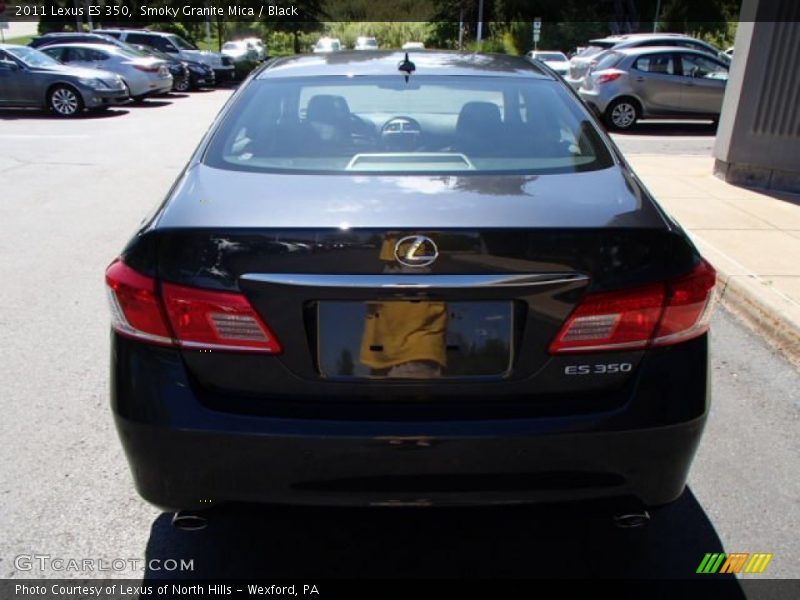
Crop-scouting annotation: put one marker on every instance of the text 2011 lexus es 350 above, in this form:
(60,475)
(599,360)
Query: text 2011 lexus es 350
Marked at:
(393,280)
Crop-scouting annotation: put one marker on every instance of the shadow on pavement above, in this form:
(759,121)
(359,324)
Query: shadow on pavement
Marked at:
(676,128)
(150,103)
(499,542)
(13,114)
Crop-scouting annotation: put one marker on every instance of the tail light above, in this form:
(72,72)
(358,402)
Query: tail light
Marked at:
(147,68)
(607,76)
(186,317)
(654,315)
(135,307)
(216,320)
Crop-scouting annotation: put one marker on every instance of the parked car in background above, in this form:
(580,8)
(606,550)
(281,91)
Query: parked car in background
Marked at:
(502,314)
(327,44)
(239,51)
(366,43)
(200,74)
(179,69)
(413,46)
(143,75)
(69,37)
(629,84)
(258,46)
(580,65)
(30,78)
(170,43)
(557,61)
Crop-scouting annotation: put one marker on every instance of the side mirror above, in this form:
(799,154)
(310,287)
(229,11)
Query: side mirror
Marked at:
(9,65)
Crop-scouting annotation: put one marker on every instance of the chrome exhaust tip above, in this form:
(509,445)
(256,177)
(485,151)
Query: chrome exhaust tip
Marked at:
(189,521)
(631,520)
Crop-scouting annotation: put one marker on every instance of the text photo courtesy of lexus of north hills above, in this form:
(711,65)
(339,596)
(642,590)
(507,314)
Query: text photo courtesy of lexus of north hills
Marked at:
(348,299)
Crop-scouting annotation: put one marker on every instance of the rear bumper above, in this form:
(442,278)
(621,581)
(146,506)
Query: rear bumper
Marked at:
(198,80)
(593,100)
(184,455)
(224,74)
(575,84)
(161,86)
(177,469)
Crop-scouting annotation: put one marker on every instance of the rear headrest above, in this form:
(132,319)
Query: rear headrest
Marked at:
(327,108)
(479,116)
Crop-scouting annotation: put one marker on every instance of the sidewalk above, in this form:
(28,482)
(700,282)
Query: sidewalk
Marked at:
(752,239)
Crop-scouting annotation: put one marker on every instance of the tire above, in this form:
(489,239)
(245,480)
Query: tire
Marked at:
(182,85)
(622,114)
(65,101)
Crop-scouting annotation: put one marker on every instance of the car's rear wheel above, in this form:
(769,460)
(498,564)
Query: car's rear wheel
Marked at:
(65,101)
(622,114)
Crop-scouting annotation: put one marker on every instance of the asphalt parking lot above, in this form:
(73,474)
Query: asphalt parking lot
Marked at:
(71,194)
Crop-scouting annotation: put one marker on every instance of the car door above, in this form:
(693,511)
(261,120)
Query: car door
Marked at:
(704,79)
(12,81)
(100,59)
(84,57)
(655,81)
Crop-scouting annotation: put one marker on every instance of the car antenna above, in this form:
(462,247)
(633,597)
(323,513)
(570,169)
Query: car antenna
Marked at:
(407,67)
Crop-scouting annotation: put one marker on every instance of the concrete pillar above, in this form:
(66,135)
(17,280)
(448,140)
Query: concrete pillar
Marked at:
(758,139)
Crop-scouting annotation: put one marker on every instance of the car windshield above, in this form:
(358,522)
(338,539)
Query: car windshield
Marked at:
(181,43)
(550,56)
(131,52)
(131,49)
(385,124)
(231,46)
(31,57)
(149,51)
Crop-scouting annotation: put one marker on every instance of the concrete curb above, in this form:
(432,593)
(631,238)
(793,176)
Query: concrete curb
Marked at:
(753,299)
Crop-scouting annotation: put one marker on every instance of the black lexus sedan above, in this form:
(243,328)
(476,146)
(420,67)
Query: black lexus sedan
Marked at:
(187,75)
(386,279)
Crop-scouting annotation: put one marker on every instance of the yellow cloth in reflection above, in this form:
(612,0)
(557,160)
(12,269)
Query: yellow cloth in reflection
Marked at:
(399,332)
(387,249)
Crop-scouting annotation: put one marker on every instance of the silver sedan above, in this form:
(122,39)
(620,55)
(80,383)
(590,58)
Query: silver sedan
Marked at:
(143,75)
(658,82)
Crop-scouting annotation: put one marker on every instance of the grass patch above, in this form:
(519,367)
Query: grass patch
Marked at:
(22,40)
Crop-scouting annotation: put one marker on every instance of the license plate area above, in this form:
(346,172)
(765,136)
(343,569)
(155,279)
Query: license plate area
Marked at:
(414,339)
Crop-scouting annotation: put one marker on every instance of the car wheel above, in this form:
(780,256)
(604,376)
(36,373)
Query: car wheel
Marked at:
(65,101)
(182,85)
(622,114)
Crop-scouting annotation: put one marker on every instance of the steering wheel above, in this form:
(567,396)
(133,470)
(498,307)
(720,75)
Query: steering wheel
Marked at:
(401,133)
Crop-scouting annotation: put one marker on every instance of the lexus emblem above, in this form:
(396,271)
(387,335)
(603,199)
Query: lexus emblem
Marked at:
(416,251)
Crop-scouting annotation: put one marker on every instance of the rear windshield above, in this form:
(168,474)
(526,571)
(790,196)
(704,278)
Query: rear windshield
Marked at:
(181,43)
(606,60)
(595,48)
(549,56)
(429,124)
